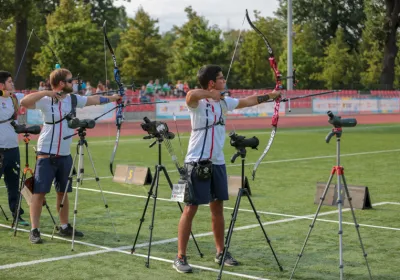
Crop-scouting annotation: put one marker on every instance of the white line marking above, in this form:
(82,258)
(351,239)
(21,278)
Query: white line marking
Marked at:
(93,141)
(285,160)
(120,249)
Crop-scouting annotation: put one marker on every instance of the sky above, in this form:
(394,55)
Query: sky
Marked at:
(224,13)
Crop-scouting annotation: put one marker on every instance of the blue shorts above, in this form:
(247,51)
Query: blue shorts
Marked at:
(56,169)
(215,188)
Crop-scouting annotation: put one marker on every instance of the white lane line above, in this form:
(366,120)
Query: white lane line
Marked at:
(284,160)
(120,249)
(112,140)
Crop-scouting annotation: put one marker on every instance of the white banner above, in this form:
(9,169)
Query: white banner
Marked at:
(345,105)
(178,107)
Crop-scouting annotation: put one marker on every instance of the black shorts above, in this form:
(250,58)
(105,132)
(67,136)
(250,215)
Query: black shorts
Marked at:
(215,188)
(58,171)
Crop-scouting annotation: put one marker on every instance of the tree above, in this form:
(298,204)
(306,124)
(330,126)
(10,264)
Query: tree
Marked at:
(340,66)
(76,41)
(142,50)
(197,44)
(327,16)
(390,27)
(307,57)
(372,43)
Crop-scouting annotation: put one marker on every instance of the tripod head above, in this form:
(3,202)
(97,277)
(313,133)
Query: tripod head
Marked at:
(338,123)
(156,129)
(240,143)
(81,131)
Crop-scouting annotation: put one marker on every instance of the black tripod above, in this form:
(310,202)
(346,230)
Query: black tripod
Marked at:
(4,213)
(242,191)
(154,186)
(25,184)
(79,179)
(339,171)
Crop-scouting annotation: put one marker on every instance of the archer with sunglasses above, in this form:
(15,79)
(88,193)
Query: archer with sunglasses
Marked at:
(54,159)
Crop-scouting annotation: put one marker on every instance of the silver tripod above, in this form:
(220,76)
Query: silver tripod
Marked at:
(79,180)
(339,171)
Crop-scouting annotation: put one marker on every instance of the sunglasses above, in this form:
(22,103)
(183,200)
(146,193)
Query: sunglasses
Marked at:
(68,80)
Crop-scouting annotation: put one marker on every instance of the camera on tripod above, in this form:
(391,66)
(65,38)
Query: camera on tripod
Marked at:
(22,129)
(337,121)
(74,122)
(156,129)
(240,142)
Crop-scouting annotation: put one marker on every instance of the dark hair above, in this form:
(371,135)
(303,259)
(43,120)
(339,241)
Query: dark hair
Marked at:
(4,75)
(208,73)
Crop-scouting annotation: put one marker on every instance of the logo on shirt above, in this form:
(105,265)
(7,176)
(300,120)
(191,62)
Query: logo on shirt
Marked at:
(3,105)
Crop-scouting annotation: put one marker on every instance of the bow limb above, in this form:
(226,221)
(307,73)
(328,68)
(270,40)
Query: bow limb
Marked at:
(278,86)
(121,91)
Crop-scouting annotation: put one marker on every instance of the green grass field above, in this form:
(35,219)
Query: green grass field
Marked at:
(283,194)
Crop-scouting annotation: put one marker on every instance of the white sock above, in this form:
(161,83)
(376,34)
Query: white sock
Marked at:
(64,226)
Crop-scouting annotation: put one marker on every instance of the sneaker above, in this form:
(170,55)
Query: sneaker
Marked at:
(34,236)
(181,265)
(229,260)
(68,231)
(22,222)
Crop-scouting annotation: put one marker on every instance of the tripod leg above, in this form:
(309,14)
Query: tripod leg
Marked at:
(51,216)
(79,179)
(151,227)
(101,191)
(230,231)
(340,208)
(357,226)
(4,213)
(262,228)
(180,207)
(322,198)
(150,193)
(65,193)
(18,210)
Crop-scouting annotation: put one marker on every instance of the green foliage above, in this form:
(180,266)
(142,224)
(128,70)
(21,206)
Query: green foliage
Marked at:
(7,33)
(307,52)
(372,43)
(197,44)
(340,65)
(141,48)
(76,42)
(327,16)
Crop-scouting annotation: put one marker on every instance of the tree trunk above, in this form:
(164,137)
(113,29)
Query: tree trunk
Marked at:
(391,49)
(20,60)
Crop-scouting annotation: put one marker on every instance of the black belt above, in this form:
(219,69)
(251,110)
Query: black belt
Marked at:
(7,149)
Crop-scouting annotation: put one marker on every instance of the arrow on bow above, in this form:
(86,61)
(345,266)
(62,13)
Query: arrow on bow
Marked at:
(121,91)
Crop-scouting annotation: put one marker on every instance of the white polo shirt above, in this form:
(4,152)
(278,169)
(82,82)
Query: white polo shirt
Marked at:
(53,142)
(8,137)
(209,143)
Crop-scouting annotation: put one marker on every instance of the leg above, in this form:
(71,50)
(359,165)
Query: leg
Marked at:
(11,178)
(36,209)
(44,175)
(64,210)
(218,224)
(185,227)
